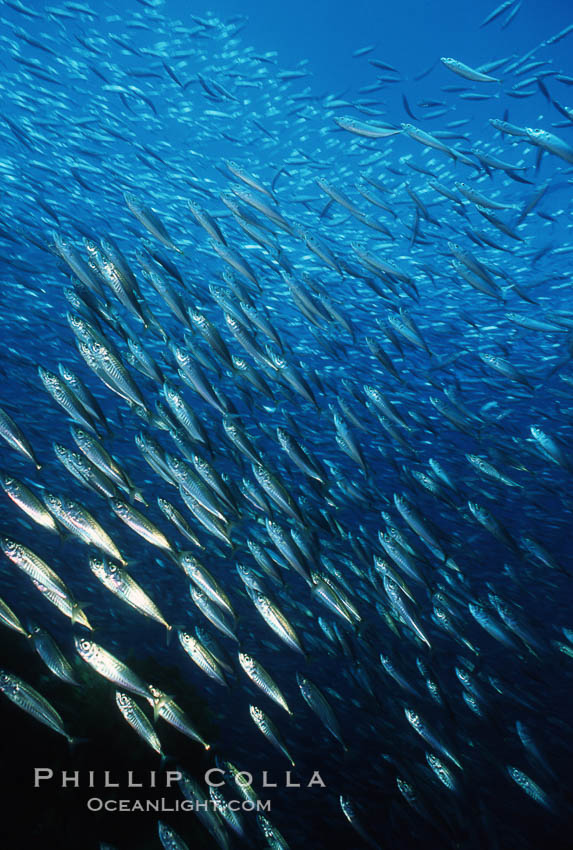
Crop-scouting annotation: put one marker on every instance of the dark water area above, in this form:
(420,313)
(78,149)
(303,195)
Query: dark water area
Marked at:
(381,273)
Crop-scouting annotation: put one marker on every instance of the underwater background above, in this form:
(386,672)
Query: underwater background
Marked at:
(285,364)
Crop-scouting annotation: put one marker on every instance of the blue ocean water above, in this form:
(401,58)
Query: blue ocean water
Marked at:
(372,279)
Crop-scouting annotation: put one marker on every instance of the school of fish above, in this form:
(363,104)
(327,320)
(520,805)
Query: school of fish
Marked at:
(286,399)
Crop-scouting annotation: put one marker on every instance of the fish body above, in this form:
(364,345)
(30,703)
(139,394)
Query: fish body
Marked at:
(425,732)
(262,679)
(170,840)
(205,581)
(150,220)
(276,620)
(468,73)
(269,730)
(140,524)
(138,720)
(33,566)
(202,657)
(52,655)
(27,501)
(318,703)
(110,667)
(77,519)
(165,707)
(32,702)
(122,585)
(8,618)
(530,787)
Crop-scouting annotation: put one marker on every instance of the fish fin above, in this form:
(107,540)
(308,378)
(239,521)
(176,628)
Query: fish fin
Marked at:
(135,495)
(74,742)
(78,610)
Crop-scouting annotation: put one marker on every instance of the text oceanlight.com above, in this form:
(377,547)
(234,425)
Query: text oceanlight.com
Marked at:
(98,804)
